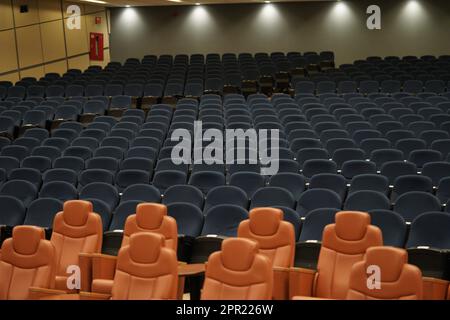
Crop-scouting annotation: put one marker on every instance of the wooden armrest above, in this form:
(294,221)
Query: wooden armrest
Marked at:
(103,266)
(434,289)
(301,282)
(280,283)
(186,270)
(94,296)
(85,264)
(36,293)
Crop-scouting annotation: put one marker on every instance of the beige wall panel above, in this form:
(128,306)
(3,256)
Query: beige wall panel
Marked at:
(53,40)
(81,62)
(58,67)
(88,8)
(8,55)
(13,77)
(66,4)
(6,15)
(37,72)
(100,28)
(49,10)
(30,17)
(29,46)
(77,39)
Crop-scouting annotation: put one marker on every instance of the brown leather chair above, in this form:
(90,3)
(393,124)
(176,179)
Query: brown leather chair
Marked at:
(276,239)
(146,269)
(28,260)
(149,217)
(343,244)
(238,272)
(76,230)
(397,279)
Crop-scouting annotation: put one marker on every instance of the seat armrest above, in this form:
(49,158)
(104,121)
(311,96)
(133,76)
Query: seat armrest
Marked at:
(280,283)
(94,296)
(186,270)
(301,282)
(85,263)
(103,266)
(36,293)
(434,289)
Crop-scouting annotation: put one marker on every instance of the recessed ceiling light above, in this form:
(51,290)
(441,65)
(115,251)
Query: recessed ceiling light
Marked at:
(127,6)
(95,1)
(267,2)
(175,1)
(197,4)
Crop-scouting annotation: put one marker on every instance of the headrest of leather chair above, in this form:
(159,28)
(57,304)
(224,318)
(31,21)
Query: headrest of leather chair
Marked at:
(145,247)
(390,260)
(76,212)
(26,239)
(238,253)
(351,225)
(265,221)
(150,215)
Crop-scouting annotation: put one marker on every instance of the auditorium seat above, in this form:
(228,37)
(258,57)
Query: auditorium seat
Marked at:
(398,279)
(76,229)
(345,242)
(27,260)
(231,277)
(410,204)
(309,200)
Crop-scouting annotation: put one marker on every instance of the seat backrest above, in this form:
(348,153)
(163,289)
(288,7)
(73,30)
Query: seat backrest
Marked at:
(146,269)
(343,243)
(152,217)
(231,276)
(398,279)
(276,238)
(27,260)
(76,229)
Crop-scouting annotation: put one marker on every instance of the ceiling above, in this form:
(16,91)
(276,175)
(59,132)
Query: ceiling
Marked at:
(123,3)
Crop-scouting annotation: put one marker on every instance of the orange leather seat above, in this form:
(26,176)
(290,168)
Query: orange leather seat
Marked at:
(76,229)
(238,272)
(276,239)
(149,217)
(28,260)
(146,269)
(397,279)
(343,244)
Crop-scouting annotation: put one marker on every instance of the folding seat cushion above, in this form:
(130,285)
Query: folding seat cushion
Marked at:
(372,182)
(42,211)
(27,253)
(398,279)
(36,133)
(76,229)
(339,143)
(272,196)
(205,181)
(408,183)
(15,151)
(225,195)
(37,162)
(413,203)
(424,156)
(229,278)
(310,154)
(353,168)
(111,152)
(317,166)
(309,200)
(20,189)
(128,177)
(160,279)
(343,244)
(101,191)
(392,226)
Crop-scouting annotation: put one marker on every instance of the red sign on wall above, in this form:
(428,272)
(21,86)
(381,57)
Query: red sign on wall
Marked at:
(98,20)
(96,46)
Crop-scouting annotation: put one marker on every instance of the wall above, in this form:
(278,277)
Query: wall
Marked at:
(408,27)
(39,41)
